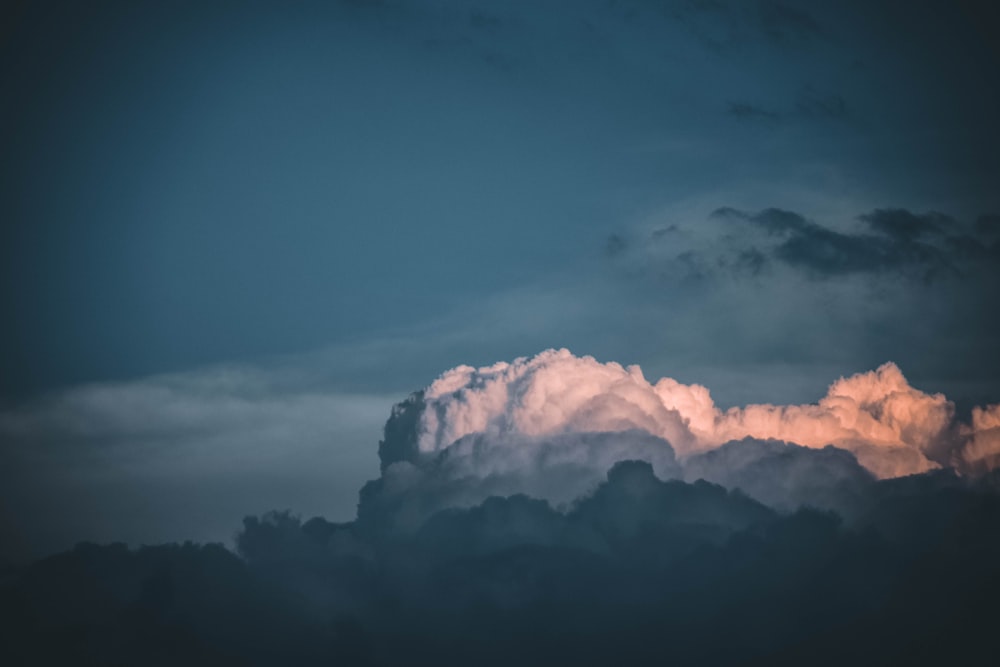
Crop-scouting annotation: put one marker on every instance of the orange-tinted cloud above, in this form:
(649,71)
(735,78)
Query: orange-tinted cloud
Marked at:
(891,427)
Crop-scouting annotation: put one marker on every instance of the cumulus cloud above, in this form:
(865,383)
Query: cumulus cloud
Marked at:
(892,428)
(532,413)
(117,460)
(550,426)
(551,393)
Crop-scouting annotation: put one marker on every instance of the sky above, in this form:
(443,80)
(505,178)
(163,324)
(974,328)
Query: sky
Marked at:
(234,235)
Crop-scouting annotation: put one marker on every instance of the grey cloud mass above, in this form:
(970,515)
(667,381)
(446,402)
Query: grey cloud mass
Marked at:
(138,461)
(926,246)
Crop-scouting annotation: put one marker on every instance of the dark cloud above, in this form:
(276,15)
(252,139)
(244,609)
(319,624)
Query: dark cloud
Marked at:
(773,220)
(823,252)
(905,226)
(415,485)
(639,570)
(614,245)
(785,476)
(915,245)
(663,231)
(752,261)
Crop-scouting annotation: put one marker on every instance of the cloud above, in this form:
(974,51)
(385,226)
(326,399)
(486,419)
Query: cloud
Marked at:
(640,569)
(784,476)
(747,111)
(890,242)
(555,409)
(551,393)
(892,428)
(550,426)
(822,252)
(982,446)
(905,226)
(559,507)
(773,287)
(128,460)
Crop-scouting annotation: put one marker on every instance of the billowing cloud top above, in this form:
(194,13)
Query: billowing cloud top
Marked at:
(525,424)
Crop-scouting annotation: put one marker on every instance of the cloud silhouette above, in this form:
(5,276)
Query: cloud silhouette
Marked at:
(640,569)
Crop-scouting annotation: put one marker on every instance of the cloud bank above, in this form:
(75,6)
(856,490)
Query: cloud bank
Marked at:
(560,509)
(179,456)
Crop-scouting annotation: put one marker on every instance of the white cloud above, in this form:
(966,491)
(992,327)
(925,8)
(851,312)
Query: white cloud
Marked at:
(892,428)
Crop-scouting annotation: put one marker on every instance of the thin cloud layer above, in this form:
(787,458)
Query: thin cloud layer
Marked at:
(179,456)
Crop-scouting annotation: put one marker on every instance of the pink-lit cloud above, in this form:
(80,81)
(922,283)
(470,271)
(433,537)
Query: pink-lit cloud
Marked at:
(981,449)
(891,427)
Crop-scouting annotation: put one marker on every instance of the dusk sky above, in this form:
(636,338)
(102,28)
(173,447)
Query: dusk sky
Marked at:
(235,234)
(583,329)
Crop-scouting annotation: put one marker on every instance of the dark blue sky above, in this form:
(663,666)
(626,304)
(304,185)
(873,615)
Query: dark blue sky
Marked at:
(344,199)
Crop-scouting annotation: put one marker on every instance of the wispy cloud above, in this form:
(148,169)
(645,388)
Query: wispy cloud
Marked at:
(119,460)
